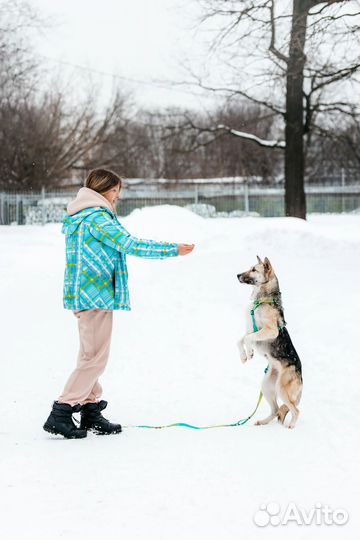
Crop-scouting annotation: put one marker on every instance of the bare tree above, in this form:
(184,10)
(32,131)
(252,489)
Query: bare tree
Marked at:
(307,52)
(335,151)
(189,142)
(44,135)
(19,67)
(43,139)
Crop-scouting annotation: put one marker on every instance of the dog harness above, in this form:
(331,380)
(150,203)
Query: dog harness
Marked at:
(257,303)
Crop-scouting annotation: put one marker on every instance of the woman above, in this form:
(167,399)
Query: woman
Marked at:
(96,284)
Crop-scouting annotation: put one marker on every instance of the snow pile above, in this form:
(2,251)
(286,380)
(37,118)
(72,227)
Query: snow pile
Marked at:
(48,210)
(34,215)
(208,210)
(174,358)
(201,209)
(52,210)
(166,222)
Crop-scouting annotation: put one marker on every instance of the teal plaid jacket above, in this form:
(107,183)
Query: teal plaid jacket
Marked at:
(96,247)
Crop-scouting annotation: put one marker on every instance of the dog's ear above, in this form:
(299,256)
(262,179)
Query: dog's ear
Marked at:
(259,260)
(267,265)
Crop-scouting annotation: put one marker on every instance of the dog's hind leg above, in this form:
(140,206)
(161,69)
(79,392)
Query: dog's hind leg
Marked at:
(284,409)
(290,392)
(269,392)
(294,412)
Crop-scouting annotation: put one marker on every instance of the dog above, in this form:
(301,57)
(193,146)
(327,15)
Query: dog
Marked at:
(267,333)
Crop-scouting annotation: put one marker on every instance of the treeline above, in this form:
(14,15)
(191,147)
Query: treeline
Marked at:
(48,135)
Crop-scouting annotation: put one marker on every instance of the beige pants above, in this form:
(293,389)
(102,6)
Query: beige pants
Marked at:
(95,327)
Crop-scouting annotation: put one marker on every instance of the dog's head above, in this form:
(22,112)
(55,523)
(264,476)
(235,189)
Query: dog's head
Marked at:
(259,274)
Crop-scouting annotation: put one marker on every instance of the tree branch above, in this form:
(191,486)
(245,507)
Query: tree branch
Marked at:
(272,47)
(253,138)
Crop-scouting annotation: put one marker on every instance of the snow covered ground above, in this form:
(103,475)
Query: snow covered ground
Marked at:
(174,358)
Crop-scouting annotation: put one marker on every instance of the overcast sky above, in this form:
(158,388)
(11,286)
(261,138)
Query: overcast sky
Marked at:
(139,39)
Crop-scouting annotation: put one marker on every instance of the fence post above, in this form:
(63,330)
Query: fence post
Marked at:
(196,194)
(343,181)
(43,205)
(343,177)
(17,200)
(2,207)
(246,198)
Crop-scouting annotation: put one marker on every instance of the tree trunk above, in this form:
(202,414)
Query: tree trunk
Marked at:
(295,202)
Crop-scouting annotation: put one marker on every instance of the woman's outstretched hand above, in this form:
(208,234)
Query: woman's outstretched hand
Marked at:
(185,249)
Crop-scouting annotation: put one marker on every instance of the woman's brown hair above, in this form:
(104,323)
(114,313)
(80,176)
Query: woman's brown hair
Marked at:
(102,180)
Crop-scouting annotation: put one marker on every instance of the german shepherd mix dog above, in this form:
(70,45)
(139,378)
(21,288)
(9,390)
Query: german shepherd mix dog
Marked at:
(266,331)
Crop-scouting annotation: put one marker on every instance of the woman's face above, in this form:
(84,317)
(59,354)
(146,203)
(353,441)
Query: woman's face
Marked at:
(113,195)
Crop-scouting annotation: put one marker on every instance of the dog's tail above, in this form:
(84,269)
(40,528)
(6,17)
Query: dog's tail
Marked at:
(282,412)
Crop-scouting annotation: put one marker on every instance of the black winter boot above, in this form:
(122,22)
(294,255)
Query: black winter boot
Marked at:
(60,421)
(92,419)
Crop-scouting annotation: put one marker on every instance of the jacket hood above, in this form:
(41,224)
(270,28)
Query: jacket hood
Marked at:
(87,198)
(86,202)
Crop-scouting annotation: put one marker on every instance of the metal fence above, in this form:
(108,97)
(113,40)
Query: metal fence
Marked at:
(215,200)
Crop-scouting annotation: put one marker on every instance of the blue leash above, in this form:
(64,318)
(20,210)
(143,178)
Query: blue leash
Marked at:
(235,424)
(191,426)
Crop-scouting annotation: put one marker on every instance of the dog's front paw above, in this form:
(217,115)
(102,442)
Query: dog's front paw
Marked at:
(242,351)
(248,348)
(250,353)
(243,356)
